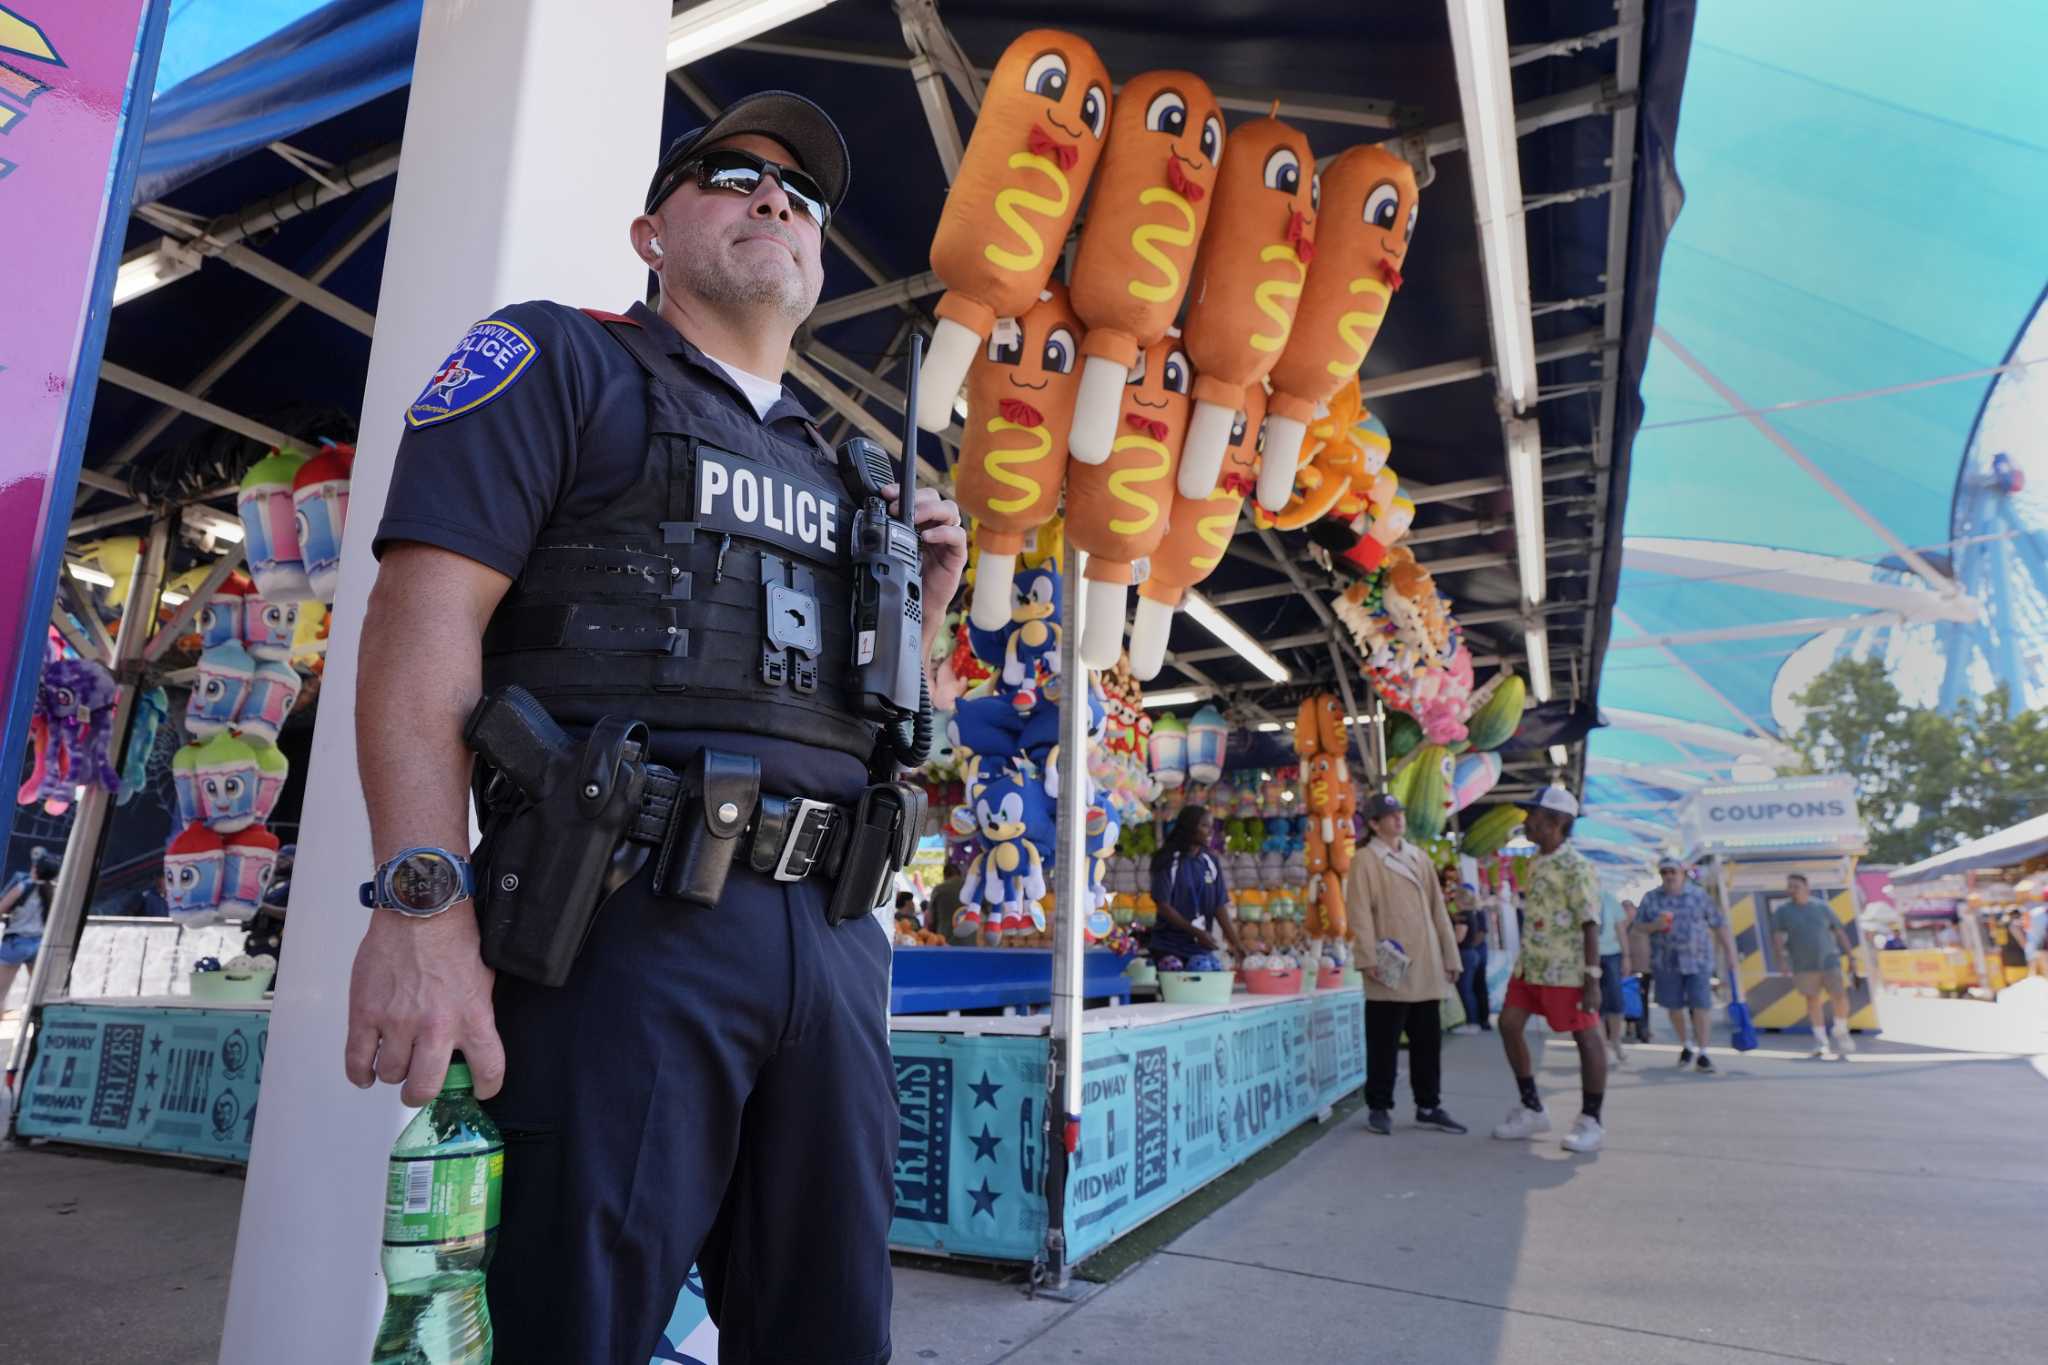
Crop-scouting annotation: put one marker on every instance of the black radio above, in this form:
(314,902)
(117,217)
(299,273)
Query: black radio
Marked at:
(888,587)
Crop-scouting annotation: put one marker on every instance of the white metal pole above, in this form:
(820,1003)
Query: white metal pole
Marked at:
(1070,915)
(52,969)
(532,128)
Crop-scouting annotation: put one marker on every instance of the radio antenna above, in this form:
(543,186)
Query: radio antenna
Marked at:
(908,481)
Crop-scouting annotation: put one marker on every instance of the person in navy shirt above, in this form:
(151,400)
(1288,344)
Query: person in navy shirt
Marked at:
(627,514)
(1188,888)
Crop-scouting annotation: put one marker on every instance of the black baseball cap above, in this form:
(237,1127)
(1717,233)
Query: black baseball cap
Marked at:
(797,123)
(1381,804)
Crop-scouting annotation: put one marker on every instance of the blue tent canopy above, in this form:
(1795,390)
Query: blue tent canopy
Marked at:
(1859,251)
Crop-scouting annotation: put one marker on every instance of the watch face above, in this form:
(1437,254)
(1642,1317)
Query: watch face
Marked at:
(423,881)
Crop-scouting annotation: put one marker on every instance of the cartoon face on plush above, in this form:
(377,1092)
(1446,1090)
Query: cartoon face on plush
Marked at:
(999,810)
(220,621)
(193,870)
(1036,594)
(226,675)
(267,627)
(1383,186)
(1067,86)
(1178,118)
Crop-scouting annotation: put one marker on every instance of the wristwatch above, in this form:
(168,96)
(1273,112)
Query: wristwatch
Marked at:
(1594,973)
(420,882)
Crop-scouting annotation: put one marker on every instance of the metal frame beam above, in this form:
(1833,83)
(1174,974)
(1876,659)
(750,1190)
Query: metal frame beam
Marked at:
(123,377)
(203,382)
(1692,733)
(1791,572)
(1698,678)
(1765,630)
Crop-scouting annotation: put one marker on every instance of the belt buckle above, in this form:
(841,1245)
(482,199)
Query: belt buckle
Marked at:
(809,824)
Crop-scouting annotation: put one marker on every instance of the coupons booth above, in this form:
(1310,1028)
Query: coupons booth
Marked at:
(1750,836)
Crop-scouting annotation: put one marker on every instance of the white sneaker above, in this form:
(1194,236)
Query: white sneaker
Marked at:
(1820,1044)
(1844,1043)
(1586,1135)
(1522,1122)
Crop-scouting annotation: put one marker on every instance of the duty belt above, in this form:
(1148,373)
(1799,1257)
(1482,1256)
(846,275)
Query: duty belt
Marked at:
(788,837)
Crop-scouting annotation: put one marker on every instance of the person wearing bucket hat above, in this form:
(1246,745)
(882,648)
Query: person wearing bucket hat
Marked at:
(1558,975)
(1394,903)
(627,516)
(1684,924)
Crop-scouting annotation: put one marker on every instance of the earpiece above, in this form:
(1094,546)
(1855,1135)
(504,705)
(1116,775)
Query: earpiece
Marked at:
(654,245)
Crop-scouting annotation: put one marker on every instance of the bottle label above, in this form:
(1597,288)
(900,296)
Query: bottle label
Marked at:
(437,1199)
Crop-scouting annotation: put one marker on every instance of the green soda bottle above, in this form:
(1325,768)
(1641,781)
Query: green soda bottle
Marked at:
(440,1227)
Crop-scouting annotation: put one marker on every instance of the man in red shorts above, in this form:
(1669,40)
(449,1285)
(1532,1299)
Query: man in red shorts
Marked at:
(1558,974)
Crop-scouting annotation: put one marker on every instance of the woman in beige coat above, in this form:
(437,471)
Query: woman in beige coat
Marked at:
(1392,893)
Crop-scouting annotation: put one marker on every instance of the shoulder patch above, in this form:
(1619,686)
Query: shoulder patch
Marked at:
(485,362)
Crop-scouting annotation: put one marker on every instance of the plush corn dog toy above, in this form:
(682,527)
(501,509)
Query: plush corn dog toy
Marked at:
(1197,533)
(1247,285)
(1137,253)
(1367,221)
(1117,510)
(1020,399)
(1020,184)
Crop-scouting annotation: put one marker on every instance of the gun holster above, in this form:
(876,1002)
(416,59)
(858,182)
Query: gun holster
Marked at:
(547,861)
(878,844)
(716,799)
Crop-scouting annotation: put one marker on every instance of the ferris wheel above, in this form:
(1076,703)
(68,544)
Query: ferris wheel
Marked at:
(1999,526)
(1998,555)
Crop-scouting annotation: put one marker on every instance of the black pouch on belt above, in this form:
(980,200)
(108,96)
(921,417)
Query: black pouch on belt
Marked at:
(718,794)
(883,834)
(556,811)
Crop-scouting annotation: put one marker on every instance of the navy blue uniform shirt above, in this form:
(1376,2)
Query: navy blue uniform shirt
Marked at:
(539,411)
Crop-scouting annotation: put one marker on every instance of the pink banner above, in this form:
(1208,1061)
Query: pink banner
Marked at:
(69,72)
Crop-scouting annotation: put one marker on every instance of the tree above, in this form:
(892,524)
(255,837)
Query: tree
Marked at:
(1926,780)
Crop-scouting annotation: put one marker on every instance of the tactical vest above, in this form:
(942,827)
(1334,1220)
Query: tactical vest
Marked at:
(713,595)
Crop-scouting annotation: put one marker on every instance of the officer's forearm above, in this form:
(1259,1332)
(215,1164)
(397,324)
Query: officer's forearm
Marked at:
(421,671)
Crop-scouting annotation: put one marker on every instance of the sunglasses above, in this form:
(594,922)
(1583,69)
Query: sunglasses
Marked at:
(737,172)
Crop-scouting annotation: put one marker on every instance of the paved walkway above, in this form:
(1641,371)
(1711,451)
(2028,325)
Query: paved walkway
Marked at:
(1886,1210)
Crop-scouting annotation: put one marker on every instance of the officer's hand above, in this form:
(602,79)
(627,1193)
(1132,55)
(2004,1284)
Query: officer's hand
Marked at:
(945,543)
(419,990)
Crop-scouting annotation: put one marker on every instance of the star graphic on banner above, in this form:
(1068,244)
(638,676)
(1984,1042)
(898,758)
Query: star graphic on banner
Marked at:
(985,1144)
(1176,1066)
(984,1199)
(144,1115)
(1176,1156)
(984,1091)
(149,1079)
(1286,1045)
(1176,1111)
(156,1045)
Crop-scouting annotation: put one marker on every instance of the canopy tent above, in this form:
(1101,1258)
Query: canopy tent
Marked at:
(1846,343)
(272,169)
(2024,841)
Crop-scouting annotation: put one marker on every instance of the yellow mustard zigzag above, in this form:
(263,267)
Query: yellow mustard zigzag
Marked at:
(998,462)
(1013,202)
(1215,531)
(1269,294)
(1358,327)
(1145,235)
(1120,484)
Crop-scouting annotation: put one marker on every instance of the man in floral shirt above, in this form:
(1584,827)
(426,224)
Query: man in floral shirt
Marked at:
(1558,975)
(1684,925)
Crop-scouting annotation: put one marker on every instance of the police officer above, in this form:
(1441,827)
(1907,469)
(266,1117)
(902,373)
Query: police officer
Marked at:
(592,506)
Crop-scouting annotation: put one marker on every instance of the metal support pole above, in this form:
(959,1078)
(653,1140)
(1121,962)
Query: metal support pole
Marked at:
(89,818)
(1070,916)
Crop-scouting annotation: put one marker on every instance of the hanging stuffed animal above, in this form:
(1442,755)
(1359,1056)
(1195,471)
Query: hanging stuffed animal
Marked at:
(1137,251)
(1007,876)
(1367,220)
(151,708)
(1208,735)
(1247,286)
(72,726)
(270,527)
(1197,534)
(1034,147)
(320,507)
(1013,458)
(194,870)
(1117,510)
(227,673)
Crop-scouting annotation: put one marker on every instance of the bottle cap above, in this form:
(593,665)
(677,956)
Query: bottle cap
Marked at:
(458,1073)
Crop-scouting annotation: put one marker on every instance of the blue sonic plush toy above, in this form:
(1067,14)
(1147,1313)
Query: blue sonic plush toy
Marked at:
(1006,880)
